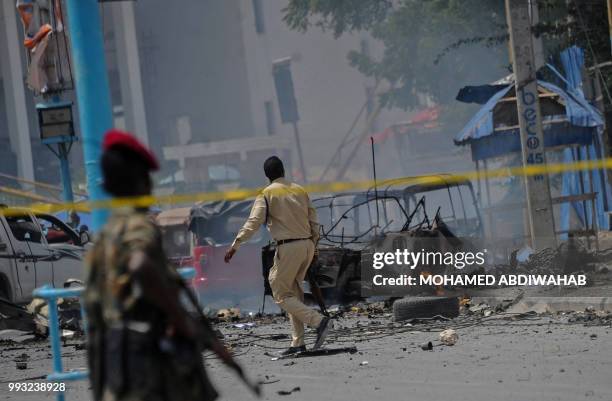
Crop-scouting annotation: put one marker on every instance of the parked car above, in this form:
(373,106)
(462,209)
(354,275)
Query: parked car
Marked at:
(37,249)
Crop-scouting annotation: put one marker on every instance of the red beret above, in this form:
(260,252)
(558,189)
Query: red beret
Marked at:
(118,138)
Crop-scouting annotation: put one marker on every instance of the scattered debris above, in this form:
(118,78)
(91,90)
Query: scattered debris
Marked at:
(21,361)
(570,256)
(68,334)
(480,309)
(279,337)
(370,309)
(591,317)
(449,337)
(16,336)
(428,346)
(15,317)
(318,352)
(228,314)
(285,392)
(244,325)
(523,254)
(24,379)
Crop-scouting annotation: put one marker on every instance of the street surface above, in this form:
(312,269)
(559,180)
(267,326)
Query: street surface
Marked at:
(499,357)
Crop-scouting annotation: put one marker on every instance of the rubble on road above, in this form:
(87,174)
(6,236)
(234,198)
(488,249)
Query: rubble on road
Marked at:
(15,317)
(244,326)
(571,256)
(68,310)
(12,336)
(317,352)
(590,317)
(449,337)
(428,346)
(34,318)
(229,314)
(288,392)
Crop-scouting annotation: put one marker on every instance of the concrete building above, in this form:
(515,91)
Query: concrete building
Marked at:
(196,83)
(226,91)
(15,120)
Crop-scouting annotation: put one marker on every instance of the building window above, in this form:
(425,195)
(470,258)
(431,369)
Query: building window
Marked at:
(260,27)
(270,123)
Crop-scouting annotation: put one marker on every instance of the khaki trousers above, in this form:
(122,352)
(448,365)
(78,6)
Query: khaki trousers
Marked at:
(291,263)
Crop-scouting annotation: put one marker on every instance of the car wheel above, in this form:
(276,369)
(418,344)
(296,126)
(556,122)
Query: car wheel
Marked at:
(425,307)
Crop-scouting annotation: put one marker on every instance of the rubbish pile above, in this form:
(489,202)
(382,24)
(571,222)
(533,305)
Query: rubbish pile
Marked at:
(591,317)
(34,318)
(372,309)
(15,317)
(570,257)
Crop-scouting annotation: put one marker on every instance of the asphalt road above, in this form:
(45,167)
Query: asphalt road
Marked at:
(529,358)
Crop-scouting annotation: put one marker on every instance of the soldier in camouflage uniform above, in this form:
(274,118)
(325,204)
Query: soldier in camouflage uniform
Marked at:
(142,342)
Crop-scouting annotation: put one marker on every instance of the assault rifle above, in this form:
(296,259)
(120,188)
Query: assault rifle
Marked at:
(208,340)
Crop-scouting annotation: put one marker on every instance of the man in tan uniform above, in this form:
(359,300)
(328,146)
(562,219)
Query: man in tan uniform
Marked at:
(292,220)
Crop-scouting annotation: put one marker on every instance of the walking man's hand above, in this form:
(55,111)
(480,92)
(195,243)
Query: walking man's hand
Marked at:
(229,255)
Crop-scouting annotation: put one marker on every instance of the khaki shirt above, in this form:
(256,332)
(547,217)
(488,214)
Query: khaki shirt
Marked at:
(290,214)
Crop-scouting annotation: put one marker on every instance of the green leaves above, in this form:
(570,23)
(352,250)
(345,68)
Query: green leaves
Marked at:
(339,16)
(416,35)
(431,48)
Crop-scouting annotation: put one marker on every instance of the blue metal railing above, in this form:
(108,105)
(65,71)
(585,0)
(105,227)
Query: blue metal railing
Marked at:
(51,295)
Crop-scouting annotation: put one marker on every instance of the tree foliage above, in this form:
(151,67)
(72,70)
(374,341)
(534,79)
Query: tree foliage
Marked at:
(434,47)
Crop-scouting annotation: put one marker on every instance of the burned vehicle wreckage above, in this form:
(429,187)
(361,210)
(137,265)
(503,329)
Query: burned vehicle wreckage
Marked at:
(438,215)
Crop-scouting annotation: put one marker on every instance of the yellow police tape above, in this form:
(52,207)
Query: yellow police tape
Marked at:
(330,188)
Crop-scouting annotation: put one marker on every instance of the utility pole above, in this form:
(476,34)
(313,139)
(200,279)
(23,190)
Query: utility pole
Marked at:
(57,129)
(285,93)
(537,187)
(93,93)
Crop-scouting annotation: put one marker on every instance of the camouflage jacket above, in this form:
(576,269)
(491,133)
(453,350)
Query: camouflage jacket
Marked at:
(125,331)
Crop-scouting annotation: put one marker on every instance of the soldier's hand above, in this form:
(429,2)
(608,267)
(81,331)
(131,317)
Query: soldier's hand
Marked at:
(229,255)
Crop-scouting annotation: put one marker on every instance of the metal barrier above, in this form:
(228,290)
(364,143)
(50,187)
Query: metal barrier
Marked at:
(51,295)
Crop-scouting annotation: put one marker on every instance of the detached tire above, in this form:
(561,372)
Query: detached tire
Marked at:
(425,307)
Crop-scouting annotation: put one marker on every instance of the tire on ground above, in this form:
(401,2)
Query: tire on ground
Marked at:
(425,307)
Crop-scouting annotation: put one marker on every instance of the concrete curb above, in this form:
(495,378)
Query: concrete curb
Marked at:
(550,304)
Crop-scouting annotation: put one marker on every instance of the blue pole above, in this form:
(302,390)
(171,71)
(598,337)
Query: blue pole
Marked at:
(92,90)
(65,168)
(54,335)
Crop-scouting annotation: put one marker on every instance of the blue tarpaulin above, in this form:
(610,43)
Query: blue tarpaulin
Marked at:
(578,113)
(581,125)
(572,60)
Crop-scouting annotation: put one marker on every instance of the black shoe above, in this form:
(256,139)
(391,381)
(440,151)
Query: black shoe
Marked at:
(322,331)
(293,350)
